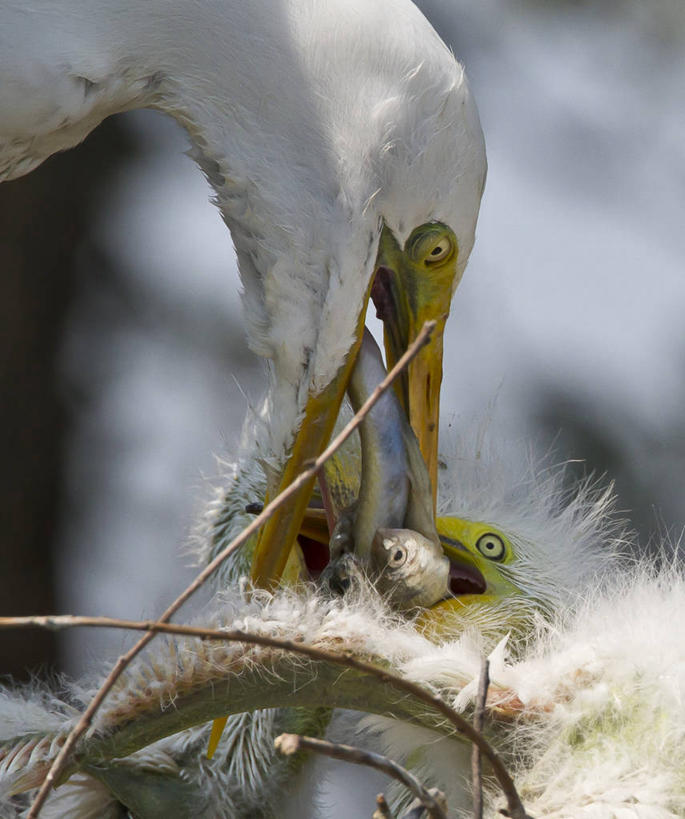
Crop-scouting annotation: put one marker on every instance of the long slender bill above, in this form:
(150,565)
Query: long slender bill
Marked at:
(412,285)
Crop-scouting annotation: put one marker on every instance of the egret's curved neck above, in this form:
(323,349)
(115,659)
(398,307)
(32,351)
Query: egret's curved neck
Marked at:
(67,64)
(258,87)
(230,72)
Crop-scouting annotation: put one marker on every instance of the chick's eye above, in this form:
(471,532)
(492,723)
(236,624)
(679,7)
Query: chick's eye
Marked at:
(491,546)
(397,558)
(440,251)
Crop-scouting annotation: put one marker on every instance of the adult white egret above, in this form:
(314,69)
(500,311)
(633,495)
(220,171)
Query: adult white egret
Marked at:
(344,149)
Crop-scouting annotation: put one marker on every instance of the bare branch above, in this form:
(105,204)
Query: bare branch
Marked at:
(87,717)
(382,809)
(514,806)
(289,744)
(418,811)
(476,766)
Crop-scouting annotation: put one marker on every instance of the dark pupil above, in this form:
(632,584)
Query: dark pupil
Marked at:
(436,251)
(398,555)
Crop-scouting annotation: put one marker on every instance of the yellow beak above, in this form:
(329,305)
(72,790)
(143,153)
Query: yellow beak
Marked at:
(280,531)
(411,288)
(479,583)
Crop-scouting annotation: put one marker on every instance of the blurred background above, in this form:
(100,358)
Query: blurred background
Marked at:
(124,365)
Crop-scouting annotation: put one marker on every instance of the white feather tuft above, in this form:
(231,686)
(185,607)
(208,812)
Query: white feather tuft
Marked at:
(566,538)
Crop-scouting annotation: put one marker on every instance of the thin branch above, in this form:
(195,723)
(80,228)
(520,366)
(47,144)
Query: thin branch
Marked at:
(289,744)
(514,806)
(476,766)
(382,809)
(87,717)
(417,810)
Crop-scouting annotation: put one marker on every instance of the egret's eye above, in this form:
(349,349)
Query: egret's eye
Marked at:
(491,546)
(440,251)
(432,245)
(397,557)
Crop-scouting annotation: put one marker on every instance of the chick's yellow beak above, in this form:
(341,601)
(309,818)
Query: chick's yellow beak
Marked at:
(479,554)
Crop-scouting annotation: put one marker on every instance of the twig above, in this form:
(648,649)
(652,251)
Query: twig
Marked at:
(476,766)
(87,717)
(289,744)
(514,806)
(418,811)
(382,809)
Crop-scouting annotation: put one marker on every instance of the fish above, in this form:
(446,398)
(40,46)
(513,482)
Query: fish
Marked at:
(408,568)
(404,567)
(389,533)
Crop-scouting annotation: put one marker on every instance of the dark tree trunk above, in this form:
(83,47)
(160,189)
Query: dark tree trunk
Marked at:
(44,218)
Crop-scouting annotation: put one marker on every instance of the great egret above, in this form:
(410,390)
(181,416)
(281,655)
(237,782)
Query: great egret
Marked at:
(345,153)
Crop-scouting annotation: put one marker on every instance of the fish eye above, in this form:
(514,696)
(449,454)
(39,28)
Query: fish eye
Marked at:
(397,557)
(491,546)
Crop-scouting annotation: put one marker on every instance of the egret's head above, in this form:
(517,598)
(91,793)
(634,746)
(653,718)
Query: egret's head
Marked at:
(483,587)
(528,543)
(479,554)
(428,198)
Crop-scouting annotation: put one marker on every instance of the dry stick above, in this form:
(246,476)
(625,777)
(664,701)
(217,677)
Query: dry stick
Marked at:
(61,760)
(476,767)
(417,811)
(382,810)
(514,806)
(289,744)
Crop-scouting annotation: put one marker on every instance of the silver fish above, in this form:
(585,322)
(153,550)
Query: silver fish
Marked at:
(385,483)
(405,567)
(409,570)
(390,529)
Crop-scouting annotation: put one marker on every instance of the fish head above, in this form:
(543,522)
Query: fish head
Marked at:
(408,568)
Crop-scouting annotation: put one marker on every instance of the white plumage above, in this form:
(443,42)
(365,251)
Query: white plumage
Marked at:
(315,123)
(319,124)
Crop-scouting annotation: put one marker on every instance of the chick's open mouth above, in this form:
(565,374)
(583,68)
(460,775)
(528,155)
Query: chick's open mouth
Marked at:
(465,579)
